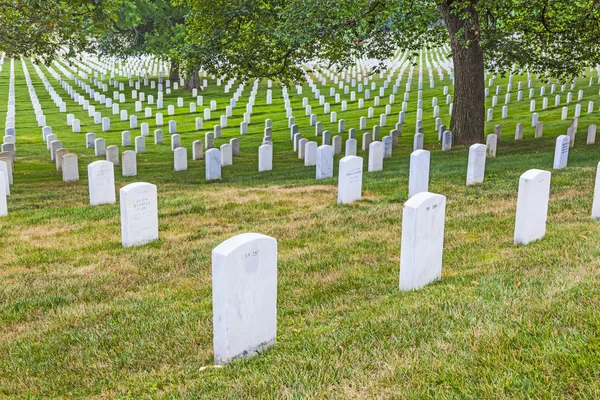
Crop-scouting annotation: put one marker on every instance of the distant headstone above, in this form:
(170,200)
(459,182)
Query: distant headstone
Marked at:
(375,157)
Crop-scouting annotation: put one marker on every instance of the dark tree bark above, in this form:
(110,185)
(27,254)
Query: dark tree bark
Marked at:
(193,81)
(468,114)
(174,72)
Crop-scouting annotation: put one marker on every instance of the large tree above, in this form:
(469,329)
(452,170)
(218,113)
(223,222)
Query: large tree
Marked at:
(272,38)
(45,28)
(149,27)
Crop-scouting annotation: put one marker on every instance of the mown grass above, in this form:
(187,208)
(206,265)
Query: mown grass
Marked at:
(82,317)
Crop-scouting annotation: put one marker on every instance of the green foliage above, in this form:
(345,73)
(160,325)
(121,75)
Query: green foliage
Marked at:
(41,29)
(145,27)
(270,38)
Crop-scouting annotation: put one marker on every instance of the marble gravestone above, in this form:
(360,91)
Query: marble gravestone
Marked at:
(476,164)
(212,160)
(418,180)
(532,206)
(70,168)
(596,203)
(244,295)
(4,171)
(180,161)
(129,163)
(139,214)
(101,182)
(375,157)
(561,152)
(324,162)
(265,158)
(423,219)
(3,203)
(350,179)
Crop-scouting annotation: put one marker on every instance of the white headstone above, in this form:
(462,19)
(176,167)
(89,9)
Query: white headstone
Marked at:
(324,162)
(244,281)
(532,206)
(418,180)
(213,164)
(265,158)
(422,245)
(561,152)
(139,214)
(375,157)
(476,164)
(101,181)
(350,179)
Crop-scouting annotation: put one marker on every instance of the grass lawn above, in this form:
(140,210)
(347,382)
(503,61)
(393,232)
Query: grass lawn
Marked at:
(82,317)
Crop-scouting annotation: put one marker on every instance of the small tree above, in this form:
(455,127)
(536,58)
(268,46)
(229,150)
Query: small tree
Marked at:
(271,38)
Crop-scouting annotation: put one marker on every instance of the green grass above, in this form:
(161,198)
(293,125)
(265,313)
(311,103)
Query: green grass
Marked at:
(82,317)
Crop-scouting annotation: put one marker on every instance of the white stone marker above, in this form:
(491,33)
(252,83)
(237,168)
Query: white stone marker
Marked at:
(375,157)
(4,172)
(197,150)
(112,154)
(532,206)
(422,240)
(447,141)
(3,203)
(226,155)
(324,162)
(491,145)
(591,137)
(70,168)
(129,160)
(265,158)
(476,164)
(139,214)
(180,159)
(99,147)
(212,159)
(350,179)
(418,180)
(244,295)
(596,203)
(561,151)
(101,181)
(310,154)
(351,146)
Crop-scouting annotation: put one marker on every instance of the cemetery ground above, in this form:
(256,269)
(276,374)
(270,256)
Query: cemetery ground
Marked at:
(82,316)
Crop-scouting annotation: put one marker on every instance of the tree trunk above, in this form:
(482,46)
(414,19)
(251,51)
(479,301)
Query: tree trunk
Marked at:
(468,114)
(174,72)
(193,81)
